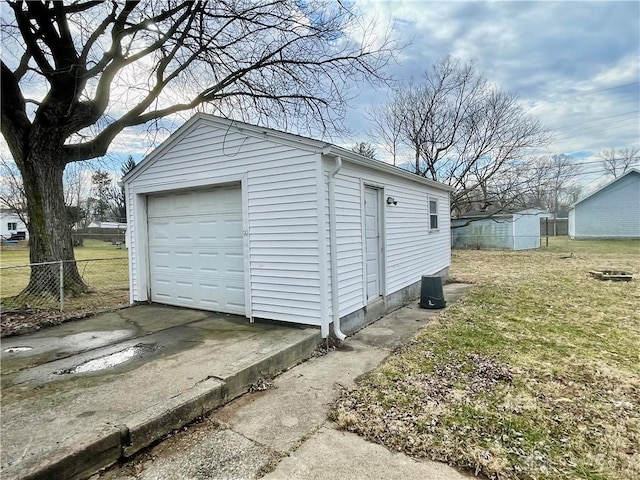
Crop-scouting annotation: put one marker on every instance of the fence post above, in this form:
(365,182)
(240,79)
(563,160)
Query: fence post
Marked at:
(546,228)
(61,285)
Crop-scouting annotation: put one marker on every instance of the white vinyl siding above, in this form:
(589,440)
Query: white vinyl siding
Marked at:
(285,217)
(132,246)
(613,212)
(349,243)
(572,223)
(283,226)
(281,211)
(526,231)
(411,250)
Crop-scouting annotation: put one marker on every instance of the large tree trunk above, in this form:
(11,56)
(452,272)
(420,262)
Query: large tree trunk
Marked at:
(49,230)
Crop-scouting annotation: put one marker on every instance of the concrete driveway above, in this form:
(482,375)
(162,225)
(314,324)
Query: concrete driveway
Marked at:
(79,396)
(284,433)
(83,395)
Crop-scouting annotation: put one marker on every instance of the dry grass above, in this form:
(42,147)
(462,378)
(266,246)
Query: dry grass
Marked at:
(535,375)
(91,249)
(107,278)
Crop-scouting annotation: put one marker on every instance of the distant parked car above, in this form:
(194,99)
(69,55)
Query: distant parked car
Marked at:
(15,237)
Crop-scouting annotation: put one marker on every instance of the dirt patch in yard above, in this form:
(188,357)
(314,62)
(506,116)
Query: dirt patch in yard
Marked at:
(21,322)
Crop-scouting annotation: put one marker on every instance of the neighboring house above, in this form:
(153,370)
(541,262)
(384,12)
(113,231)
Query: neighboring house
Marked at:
(231,217)
(611,212)
(493,229)
(11,224)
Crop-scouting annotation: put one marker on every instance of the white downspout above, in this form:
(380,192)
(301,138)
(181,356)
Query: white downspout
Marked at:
(333,253)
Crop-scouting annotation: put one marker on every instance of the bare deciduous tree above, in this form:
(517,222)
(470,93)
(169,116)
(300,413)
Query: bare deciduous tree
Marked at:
(12,194)
(617,162)
(13,197)
(365,149)
(548,183)
(75,74)
(460,129)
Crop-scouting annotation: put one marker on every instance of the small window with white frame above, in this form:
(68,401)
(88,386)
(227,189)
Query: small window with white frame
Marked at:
(433,214)
(12,226)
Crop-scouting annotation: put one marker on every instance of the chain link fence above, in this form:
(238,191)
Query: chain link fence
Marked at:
(67,286)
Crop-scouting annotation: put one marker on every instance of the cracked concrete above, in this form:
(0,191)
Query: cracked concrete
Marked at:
(284,431)
(69,425)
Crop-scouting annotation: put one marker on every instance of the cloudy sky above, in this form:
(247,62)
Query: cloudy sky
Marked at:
(574,65)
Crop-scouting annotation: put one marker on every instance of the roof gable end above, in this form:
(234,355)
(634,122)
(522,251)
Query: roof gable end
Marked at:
(298,141)
(632,171)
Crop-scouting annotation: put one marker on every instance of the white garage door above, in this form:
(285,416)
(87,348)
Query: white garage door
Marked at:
(196,249)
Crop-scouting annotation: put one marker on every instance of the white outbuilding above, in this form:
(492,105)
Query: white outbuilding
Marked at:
(236,218)
(11,224)
(498,229)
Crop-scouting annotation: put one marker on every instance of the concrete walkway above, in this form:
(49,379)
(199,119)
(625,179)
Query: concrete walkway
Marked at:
(81,396)
(284,432)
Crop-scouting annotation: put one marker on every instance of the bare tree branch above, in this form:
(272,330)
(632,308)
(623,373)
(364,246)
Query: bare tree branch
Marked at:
(618,162)
(92,69)
(12,193)
(460,130)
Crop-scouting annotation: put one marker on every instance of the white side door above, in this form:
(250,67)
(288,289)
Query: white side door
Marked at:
(372,242)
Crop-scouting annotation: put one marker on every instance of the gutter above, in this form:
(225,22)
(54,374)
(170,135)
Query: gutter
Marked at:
(333,253)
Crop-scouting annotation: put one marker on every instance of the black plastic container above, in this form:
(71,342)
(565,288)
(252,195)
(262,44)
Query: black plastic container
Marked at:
(431,294)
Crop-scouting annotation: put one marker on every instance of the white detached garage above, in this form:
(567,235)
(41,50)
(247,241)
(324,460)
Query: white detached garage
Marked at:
(231,217)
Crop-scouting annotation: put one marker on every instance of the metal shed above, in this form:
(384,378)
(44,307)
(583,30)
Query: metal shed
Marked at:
(495,229)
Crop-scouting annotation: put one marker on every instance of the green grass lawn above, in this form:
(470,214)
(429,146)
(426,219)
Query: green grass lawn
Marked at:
(103,266)
(534,375)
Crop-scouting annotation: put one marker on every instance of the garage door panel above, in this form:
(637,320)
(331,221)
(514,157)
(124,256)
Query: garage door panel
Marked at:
(196,249)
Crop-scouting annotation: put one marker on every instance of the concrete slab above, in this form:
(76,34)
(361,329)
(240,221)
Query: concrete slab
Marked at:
(400,326)
(59,424)
(335,454)
(85,335)
(289,422)
(217,454)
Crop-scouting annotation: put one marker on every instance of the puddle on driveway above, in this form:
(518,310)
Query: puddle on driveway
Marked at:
(17,349)
(109,361)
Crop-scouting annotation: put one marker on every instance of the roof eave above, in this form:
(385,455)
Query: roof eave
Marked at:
(353,157)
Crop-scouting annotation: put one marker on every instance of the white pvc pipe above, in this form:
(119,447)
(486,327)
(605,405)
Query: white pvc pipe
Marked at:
(333,254)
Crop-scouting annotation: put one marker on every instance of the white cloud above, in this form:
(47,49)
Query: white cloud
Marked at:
(625,70)
(574,65)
